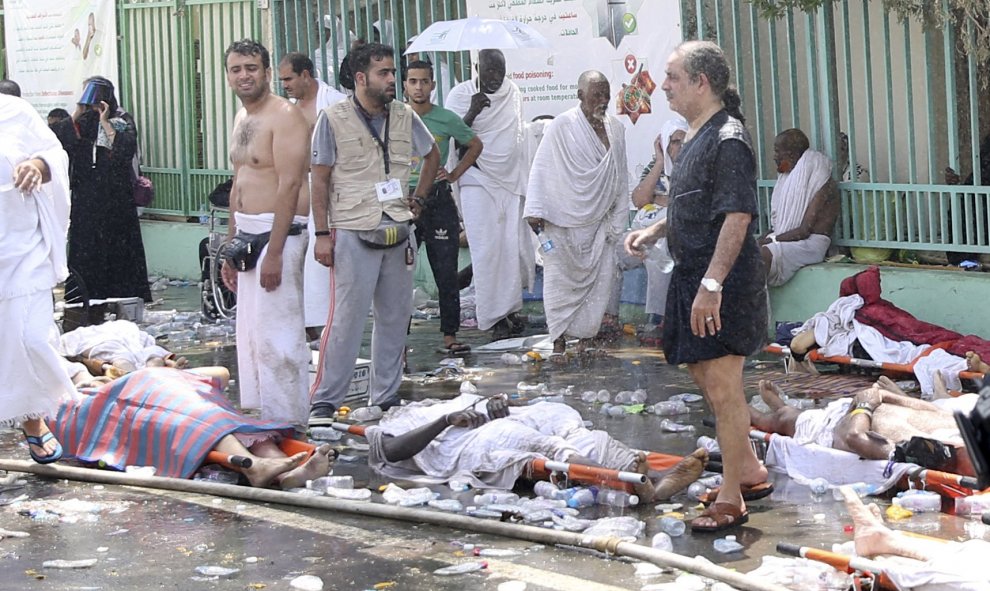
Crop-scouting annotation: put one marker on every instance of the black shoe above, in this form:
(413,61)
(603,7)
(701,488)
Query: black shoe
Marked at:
(321,415)
(517,324)
(389,403)
(501,330)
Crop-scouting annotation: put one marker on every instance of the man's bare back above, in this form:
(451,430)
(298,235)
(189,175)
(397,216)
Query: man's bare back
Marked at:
(256,138)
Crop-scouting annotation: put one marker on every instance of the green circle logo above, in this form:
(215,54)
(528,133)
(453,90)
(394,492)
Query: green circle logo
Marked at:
(629,22)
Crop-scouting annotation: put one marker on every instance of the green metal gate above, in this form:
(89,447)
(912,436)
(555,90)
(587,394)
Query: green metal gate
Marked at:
(172,80)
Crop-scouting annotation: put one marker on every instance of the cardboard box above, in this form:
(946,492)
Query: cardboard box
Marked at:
(360,381)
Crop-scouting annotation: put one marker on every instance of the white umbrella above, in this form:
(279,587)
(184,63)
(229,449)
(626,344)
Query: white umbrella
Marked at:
(477,33)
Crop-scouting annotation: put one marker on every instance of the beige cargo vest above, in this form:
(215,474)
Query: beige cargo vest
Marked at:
(354,204)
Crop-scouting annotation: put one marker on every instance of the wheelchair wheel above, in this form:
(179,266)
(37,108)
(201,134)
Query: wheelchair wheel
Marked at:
(225,300)
(76,298)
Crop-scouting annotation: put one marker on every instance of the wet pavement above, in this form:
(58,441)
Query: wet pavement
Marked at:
(150,539)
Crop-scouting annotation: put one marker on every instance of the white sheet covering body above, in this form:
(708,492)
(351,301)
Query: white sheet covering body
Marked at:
(491,194)
(119,339)
(316,277)
(792,194)
(33,230)
(272,356)
(495,454)
(581,191)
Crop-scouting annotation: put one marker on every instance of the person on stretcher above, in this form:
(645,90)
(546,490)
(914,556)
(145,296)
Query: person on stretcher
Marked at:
(490,445)
(870,424)
(171,419)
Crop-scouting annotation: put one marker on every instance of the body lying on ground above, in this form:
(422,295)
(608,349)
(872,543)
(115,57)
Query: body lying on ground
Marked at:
(171,419)
(870,424)
(115,348)
(490,445)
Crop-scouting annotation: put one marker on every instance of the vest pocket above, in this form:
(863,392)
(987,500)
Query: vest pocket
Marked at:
(400,151)
(350,153)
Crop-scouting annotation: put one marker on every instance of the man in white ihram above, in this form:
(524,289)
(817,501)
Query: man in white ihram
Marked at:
(578,197)
(492,194)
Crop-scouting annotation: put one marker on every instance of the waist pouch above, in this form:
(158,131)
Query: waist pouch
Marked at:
(388,234)
(927,453)
(244,249)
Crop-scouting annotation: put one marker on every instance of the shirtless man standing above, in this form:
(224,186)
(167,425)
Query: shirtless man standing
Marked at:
(312,95)
(269,151)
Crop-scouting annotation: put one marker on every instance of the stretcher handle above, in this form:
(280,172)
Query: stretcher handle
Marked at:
(352,429)
(215,457)
(838,561)
(573,469)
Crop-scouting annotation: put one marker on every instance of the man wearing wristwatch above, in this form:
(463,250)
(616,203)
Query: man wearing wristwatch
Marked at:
(362,155)
(717,302)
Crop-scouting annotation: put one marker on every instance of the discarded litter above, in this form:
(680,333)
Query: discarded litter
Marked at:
(325,434)
(625,527)
(670,426)
(217,571)
(461,569)
(68,564)
(727,545)
(356,494)
(497,552)
(662,541)
(307,583)
(451,505)
(687,397)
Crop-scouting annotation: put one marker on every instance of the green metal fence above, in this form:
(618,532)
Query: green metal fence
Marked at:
(325,29)
(172,79)
(905,95)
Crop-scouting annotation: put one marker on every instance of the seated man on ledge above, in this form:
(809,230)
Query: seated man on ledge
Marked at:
(433,441)
(870,424)
(171,419)
(803,208)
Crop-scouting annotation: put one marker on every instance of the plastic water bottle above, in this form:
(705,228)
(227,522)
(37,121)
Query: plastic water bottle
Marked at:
(417,496)
(709,443)
(617,498)
(638,396)
(670,426)
(672,526)
(459,485)
(662,541)
(461,569)
(589,396)
(668,408)
(450,505)
(616,411)
(496,498)
(727,545)
(547,490)
(583,498)
(546,244)
(366,413)
(605,408)
(696,490)
(323,483)
(919,501)
(325,434)
(604,396)
(819,486)
(623,397)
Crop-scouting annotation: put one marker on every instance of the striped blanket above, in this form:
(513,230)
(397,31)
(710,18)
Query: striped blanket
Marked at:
(160,417)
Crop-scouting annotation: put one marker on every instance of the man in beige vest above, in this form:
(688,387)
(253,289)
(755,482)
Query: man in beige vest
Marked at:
(362,152)
(268,151)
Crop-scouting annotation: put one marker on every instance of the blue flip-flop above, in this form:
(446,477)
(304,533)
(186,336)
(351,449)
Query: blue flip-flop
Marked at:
(54,456)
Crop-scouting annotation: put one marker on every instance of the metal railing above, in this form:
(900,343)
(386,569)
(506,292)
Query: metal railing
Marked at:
(903,93)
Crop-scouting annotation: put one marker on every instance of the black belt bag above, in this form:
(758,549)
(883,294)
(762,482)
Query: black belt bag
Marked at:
(243,250)
(388,234)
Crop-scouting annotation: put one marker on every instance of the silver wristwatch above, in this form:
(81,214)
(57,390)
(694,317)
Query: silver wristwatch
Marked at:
(711,285)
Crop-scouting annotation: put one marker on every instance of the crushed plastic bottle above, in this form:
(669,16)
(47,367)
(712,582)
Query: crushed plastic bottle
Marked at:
(638,396)
(450,505)
(670,426)
(604,409)
(973,505)
(142,471)
(496,498)
(307,583)
(217,571)
(696,490)
(216,473)
(510,359)
(672,526)
(584,497)
(819,486)
(727,545)
(669,408)
(919,501)
(570,523)
(662,541)
(69,564)
(458,485)
(625,527)
(349,494)
(325,434)
(589,396)
(616,411)
(531,390)
(366,413)
(709,443)
(496,552)
(468,388)
(616,498)
(686,397)
(461,569)
(604,395)
(623,397)
(326,482)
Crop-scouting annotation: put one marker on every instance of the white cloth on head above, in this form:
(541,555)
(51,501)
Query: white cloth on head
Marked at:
(495,454)
(272,356)
(316,277)
(501,252)
(678,123)
(502,163)
(33,231)
(580,189)
(794,190)
(119,339)
(818,424)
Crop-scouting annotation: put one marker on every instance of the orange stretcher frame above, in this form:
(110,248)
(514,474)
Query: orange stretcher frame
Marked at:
(905,368)
(288,446)
(542,469)
(843,562)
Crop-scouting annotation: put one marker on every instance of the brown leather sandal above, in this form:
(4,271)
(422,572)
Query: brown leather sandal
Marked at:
(725,516)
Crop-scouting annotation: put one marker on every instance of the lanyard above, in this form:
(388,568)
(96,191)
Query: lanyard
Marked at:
(383,144)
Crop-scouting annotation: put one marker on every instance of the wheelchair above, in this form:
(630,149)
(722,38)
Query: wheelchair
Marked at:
(219,303)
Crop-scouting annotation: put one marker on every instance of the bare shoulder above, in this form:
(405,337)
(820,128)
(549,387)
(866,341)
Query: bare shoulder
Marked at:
(286,113)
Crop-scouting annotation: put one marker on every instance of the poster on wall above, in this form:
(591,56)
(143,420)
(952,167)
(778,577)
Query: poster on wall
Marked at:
(53,45)
(627,40)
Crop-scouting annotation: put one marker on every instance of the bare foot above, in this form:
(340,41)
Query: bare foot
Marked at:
(772,395)
(938,386)
(681,475)
(871,536)
(641,466)
(264,470)
(974,363)
(803,342)
(885,383)
(315,467)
